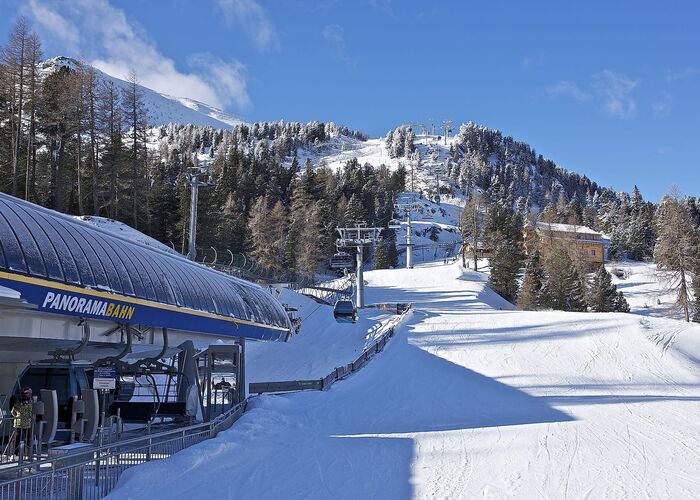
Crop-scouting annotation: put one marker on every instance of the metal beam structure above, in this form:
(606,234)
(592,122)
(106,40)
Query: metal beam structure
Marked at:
(405,204)
(358,237)
(197,178)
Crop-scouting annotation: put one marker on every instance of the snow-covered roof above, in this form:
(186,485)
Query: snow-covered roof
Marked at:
(565,228)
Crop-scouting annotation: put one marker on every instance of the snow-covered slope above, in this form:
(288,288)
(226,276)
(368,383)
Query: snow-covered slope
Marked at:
(644,288)
(162,108)
(470,399)
(321,345)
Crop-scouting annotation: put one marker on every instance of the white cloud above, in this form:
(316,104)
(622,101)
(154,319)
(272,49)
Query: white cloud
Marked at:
(569,89)
(612,91)
(616,91)
(104,36)
(53,23)
(227,79)
(249,15)
(334,34)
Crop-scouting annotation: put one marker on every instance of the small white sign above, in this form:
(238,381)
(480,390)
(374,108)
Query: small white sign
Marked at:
(105,378)
(104,383)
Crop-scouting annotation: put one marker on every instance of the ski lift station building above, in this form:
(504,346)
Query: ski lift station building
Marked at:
(59,274)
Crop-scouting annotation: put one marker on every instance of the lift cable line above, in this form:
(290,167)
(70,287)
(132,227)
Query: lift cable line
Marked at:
(358,237)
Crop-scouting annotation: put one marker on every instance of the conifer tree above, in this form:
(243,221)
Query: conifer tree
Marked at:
(472,227)
(503,235)
(529,296)
(564,289)
(354,214)
(576,301)
(696,293)
(602,295)
(381,257)
(621,304)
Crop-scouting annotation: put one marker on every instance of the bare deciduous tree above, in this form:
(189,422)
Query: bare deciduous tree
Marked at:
(677,247)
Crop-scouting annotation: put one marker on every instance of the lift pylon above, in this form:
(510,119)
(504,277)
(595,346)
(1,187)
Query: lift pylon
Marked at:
(358,237)
(406,204)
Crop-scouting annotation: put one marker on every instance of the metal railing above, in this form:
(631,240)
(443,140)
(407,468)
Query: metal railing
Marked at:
(92,472)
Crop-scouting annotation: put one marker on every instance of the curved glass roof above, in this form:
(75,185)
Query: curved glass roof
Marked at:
(42,243)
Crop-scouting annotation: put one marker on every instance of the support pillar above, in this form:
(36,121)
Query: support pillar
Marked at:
(409,246)
(360,299)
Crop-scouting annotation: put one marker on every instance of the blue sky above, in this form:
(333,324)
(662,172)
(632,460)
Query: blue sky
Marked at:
(607,89)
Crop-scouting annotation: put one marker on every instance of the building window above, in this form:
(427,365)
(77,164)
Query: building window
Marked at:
(592,252)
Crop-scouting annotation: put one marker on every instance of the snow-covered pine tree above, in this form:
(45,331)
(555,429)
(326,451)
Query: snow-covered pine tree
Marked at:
(354,214)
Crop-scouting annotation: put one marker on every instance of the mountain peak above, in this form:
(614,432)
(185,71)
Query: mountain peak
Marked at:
(162,108)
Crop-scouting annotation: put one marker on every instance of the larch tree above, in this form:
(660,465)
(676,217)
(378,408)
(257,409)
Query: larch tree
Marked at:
(136,120)
(111,130)
(472,226)
(14,57)
(91,98)
(267,229)
(677,248)
(34,55)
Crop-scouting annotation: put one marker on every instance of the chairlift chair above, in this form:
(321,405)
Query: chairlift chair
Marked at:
(344,311)
(341,260)
(394,224)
